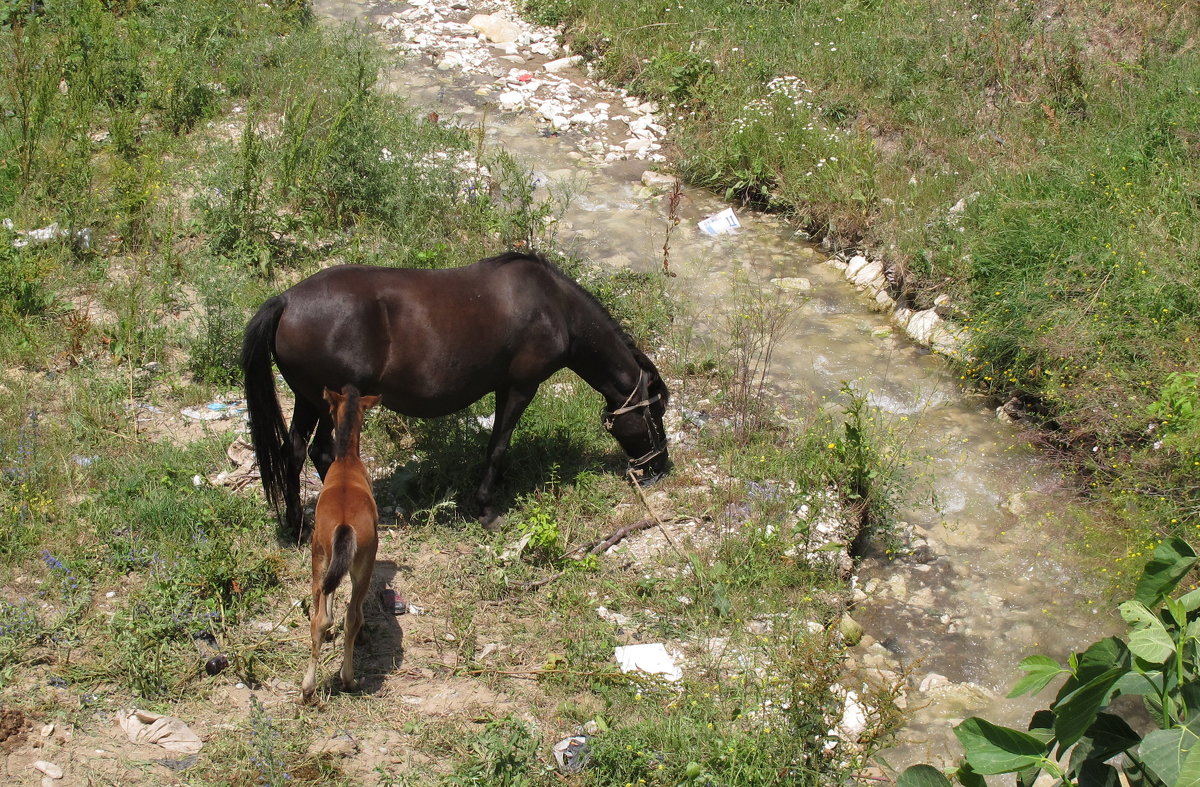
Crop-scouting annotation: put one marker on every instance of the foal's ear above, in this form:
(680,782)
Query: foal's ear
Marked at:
(369,401)
(333,398)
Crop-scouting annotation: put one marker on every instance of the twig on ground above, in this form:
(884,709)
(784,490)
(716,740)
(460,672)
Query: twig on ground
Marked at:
(597,548)
(638,487)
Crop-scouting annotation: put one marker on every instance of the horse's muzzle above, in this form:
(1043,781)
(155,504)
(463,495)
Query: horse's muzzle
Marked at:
(648,472)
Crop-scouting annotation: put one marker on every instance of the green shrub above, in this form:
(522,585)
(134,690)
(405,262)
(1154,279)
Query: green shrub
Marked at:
(1077,740)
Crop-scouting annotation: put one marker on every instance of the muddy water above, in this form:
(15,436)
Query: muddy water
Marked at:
(987,584)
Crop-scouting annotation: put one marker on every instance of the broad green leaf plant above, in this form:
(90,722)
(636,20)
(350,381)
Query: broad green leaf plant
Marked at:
(1076,740)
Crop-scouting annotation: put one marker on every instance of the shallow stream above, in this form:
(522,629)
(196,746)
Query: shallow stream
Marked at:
(989,582)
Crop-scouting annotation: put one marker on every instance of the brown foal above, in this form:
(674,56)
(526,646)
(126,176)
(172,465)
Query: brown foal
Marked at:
(344,537)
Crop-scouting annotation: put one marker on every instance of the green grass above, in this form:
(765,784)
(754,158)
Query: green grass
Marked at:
(217,151)
(1075,124)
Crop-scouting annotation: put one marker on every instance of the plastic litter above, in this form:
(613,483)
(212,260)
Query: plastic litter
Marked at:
(81,238)
(722,223)
(572,753)
(196,414)
(393,602)
(166,731)
(214,411)
(651,658)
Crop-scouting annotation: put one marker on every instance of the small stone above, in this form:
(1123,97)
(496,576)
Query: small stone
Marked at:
(341,746)
(495,28)
(511,100)
(555,66)
(933,681)
(852,631)
(796,283)
(48,768)
(47,730)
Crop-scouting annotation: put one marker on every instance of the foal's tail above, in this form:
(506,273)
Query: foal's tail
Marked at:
(267,429)
(344,547)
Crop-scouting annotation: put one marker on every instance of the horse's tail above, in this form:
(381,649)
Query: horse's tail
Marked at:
(267,429)
(343,549)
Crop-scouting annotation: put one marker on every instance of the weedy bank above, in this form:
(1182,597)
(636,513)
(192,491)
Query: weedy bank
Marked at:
(168,165)
(1035,161)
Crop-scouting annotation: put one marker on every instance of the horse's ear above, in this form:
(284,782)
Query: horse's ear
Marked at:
(370,401)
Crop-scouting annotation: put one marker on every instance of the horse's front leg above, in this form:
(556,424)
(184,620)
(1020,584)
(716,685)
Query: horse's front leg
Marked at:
(510,404)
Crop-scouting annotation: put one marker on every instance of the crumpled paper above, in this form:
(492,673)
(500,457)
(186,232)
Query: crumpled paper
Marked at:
(167,731)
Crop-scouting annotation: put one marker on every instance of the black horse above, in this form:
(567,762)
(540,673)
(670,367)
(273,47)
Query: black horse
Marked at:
(432,342)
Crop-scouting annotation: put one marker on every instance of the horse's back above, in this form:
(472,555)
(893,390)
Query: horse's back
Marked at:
(431,341)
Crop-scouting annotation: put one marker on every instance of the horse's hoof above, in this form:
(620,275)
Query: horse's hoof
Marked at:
(647,481)
(491,522)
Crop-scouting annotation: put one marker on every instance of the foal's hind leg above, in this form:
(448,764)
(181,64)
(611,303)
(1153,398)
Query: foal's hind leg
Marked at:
(360,578)
(319,625)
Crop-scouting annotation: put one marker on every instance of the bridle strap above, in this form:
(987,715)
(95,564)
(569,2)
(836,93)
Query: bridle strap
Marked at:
(627,407)
(631,407)
(659,439)
(635,464)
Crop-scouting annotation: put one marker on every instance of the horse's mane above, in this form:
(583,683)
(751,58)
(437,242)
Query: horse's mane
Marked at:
(657,386)
(345,426)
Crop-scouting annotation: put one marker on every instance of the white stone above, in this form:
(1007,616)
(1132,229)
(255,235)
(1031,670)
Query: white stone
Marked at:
(854,719)
(933,681)
(865,274)
(554,66)
(920,326)
(495,28)
(511,99)
(583,119)
(856,264)
(637,145)
(48,768)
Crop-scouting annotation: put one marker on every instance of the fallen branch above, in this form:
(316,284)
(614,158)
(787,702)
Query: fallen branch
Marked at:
(597,548)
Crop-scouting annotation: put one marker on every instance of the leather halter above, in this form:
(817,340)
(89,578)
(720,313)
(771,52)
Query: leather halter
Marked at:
(658,438)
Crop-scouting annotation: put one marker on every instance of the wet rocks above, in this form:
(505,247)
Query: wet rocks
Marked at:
(502,46)
(928,326)
(659,182)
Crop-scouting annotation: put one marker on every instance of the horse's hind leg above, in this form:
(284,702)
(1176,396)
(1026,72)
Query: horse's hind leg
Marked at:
(360,579)
(304,418)
(321,449)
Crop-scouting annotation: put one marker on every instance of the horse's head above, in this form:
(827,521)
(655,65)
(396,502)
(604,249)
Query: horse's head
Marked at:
(637,425)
